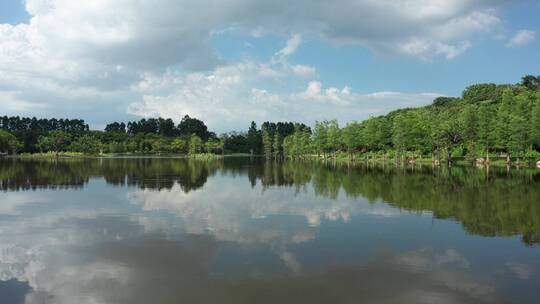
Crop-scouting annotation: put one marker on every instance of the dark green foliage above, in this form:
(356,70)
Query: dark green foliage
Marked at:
(490,118)
(116,127)
(444,101)
(8,142)
(531,82)
(28,130)
(483,92)
(195,126)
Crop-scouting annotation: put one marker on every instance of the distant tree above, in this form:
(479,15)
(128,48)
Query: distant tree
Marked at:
(267,142)
(333,140)
(87,144)
(320,137)
(180,145)
(469,121)
(535,123)
(116,127)
(254,139)
(502,121)
(189,126)
(277,145)
(235,142)
(481,92)
(351,136)
(444,101)
(195,144)
(8,142)
(166,127)
(531,82)
(55,141)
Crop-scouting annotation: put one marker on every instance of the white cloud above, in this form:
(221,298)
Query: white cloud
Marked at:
(228,97)
(72,53)
(521,38)
(303,70)
(292,45)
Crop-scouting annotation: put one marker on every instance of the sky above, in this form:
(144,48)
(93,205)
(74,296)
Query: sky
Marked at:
(233,61)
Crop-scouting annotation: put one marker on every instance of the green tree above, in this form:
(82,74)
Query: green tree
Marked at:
(320,136)
(55,141)
(195,145)
(333,141)
(502,122)
(87,144)
(180,145)
(535,122)
(277,145)
(469,121)
(267,142)
(351,136)
(8,142)
(254,140)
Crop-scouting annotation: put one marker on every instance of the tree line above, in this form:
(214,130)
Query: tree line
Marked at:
(486,119)
(154,135)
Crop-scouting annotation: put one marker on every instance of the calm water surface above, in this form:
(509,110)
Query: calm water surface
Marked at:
(249,231)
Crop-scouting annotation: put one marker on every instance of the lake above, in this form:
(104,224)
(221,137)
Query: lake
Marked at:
(240,230)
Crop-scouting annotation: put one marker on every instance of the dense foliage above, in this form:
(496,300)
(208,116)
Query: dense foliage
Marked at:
(488,118)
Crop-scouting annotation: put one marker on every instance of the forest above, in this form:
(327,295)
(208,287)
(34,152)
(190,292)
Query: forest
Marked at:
(488,119)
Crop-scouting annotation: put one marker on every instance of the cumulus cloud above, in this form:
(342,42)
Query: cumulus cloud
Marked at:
(116,52)
(292,45)
(228,95)
(521,38)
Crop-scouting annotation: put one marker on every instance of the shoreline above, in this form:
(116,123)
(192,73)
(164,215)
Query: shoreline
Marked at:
(495,161)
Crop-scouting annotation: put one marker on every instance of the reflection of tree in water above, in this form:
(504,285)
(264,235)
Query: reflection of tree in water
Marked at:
(158,173)
(18,175)
(489,203)
(145,173)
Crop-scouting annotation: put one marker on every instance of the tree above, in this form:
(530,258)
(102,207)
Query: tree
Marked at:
(116,127)
(277,145)
(180,145)
(485,132)
(333,141)
(8,142)
(320,136)
(189,126)
(502,122)
(55,141)
(267,143)
(87,144)
(212,145)
(195,144)
(531,82)
(535,123)
(166,127)
(444,101)
(469,121)
(254,139)
(480,92)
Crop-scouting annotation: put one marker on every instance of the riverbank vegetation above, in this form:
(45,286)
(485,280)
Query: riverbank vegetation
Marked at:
(488,120)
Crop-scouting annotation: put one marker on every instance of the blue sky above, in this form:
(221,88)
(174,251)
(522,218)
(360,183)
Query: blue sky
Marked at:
(230,63)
